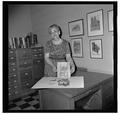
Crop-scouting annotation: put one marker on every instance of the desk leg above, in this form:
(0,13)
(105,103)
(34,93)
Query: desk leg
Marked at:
(40,99)
(71,104)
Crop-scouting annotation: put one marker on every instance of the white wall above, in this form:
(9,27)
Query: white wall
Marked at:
(45,15)
(19,20)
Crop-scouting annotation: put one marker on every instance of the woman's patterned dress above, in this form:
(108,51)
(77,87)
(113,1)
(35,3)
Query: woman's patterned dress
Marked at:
(57,53)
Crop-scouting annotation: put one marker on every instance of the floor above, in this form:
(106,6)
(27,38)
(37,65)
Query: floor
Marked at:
(30,102)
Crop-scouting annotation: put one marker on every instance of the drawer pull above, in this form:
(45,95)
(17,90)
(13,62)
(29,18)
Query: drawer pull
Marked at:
(11,57)
(39,49)
(27,83)
(38,61)
(9,88)
(14,69)
(35,55)
(9,94)
(26,73)
(12,63)
(35,50)
(11,51)
(15,86)
(14,75)
(16,92)
(15,81)
(25,62)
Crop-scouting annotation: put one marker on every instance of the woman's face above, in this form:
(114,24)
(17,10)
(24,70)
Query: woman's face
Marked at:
(55,33)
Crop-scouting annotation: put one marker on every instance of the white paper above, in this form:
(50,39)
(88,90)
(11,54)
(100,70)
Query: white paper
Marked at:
(51,82)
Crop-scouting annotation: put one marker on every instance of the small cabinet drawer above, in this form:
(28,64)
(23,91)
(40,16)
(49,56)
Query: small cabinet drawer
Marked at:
(12,74)
(37,55)
(34,50)
(25,63)
(12,69)
(26,85)
(12,59)
(38,61)
(12,78)
(14,82)
(24,54)
(13,88)
(37,50)
(12,64)
(11,52)
(26,75)
(13,93)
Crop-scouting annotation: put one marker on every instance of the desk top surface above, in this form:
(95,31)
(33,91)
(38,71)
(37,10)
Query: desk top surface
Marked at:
(52,82)
(91,79)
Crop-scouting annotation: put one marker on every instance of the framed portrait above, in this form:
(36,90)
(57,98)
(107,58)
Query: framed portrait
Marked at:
(75,28)
(95,23)
(96,49)
(110,20)
(77,47)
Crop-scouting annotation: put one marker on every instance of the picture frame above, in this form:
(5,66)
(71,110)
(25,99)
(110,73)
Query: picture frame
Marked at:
(110,20)
(95,23)
(75,28)
(77,47)
(96,51)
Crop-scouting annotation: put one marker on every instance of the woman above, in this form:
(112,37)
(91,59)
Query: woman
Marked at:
(56,50)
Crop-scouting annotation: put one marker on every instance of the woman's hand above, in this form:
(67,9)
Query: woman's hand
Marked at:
(72,69)
(50,62)
(72,66)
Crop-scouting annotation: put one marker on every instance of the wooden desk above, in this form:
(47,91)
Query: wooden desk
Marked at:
(65,99)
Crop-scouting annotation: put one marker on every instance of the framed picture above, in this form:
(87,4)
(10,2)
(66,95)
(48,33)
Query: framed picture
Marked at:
(77,47)
(96,48)
(110,20)
(95,23)
(75,28)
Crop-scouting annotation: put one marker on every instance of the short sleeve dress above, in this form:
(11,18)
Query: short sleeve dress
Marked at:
(57,53)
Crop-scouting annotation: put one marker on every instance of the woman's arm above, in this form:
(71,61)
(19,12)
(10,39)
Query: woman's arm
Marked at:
(50,62)
(72,65)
